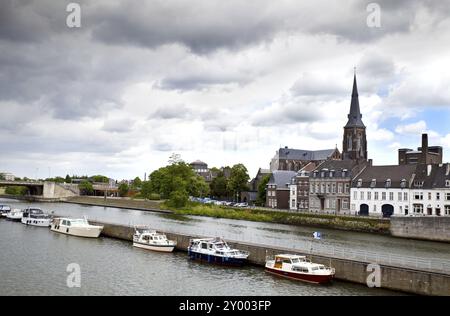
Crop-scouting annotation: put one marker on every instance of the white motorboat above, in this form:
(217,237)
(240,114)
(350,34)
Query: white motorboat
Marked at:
(15,215)
(4,210)
(299,268)
(36,217)
(216,250)
(76,227)
(151,240)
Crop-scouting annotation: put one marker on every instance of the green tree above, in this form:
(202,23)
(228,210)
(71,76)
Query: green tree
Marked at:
(262,191)
(219,186)
(238,180)
(178,198)
(68,179)
(86,188)
(137,183)
(100,179)
(16,190)
(2,176)
(123,189)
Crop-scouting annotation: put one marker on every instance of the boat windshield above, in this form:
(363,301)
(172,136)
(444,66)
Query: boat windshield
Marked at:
(79,222)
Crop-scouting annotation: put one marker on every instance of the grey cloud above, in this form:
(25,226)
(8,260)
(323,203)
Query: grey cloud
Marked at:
(293,111)
(171,111)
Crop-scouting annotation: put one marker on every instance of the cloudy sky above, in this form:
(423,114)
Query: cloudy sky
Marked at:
(221,81)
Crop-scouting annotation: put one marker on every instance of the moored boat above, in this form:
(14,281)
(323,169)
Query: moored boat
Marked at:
(151,240)
(36,217)
(4,210)
(299,268)
(76,227)
(15,215)
(216,250)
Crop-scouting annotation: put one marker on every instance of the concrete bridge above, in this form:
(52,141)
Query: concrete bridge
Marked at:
(45,189)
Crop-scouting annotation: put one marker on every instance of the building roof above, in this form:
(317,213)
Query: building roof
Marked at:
(355,116)
(382,173)
(432,175)
(281,178)
(198,162)
(301,154)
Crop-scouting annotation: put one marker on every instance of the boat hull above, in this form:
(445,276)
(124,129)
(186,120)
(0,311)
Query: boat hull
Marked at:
(14,219)
(36,222)
(93,232)
(310,278)
(226,261)
(159,248)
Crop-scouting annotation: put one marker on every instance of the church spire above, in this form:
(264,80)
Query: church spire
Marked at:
(354,117)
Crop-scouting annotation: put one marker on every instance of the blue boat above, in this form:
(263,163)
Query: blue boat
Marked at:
(217,251)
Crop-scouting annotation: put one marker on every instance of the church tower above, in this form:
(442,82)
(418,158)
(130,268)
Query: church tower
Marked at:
(354,142)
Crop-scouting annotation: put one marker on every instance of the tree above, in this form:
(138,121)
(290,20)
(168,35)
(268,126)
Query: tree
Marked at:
(137,183)
(100,179)
(175,159)
(123,189)
(2,176)
(238,180)
(68,179)
(219,186)
(86,188)
(262,191)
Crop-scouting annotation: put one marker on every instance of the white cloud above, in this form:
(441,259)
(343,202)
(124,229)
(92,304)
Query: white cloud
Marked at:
(413,128)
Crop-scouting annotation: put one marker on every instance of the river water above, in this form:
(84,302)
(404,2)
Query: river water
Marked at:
(34,262)
(289,236)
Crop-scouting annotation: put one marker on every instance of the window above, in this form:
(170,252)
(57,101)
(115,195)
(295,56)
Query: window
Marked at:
(399,196)
(447,196)
(355,195)
(359,184)
(429,195)
(345,204)
(374,207)
(339,188)
(369,195)
(447,183)
(438,196)
(328,188)
(347,188)
(322,188)
(403,183)
(418,195)
(387,184)
(317,188)
(391,196)
(293,203)
(447,210)
(333,188)
(405,196)
(376,196)
(362,195)
(383,196)
(373,183)
(312,188)
(418,208)
(418,184)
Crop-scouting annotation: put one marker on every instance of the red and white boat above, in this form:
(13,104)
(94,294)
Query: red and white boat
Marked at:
(299,268)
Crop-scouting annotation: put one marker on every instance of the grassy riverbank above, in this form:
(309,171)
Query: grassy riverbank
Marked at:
(125,203)
(350,223)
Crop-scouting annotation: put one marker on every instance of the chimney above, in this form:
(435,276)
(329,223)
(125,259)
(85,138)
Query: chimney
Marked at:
(424,148)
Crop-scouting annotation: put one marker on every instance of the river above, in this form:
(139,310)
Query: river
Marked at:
(34,262)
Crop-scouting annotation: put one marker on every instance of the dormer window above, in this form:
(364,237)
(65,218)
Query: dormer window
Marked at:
(344,173)
(387,184)
(403,183)
(418,184)
(373,183)
(447,183)
(359,183)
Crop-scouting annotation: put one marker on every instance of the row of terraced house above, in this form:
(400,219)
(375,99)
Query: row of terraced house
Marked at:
(328,181)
